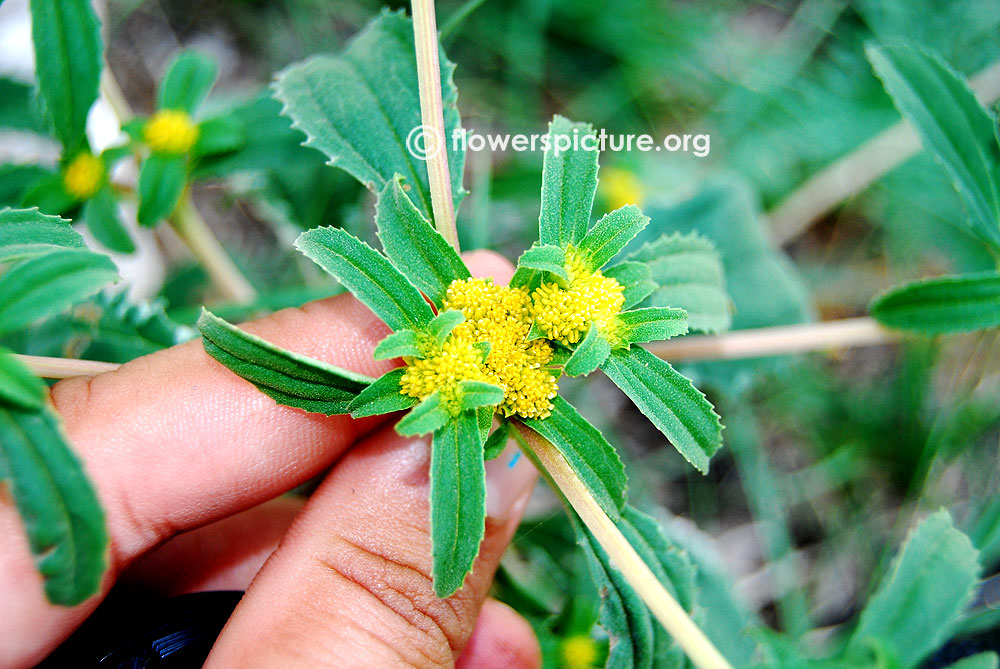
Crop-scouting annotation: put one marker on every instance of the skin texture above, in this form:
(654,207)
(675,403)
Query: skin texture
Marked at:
(175,442)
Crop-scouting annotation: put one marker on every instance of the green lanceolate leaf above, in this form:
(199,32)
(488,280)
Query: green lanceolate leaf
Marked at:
(951,124)
(589,354)
(382,397)
(651,324)
(187,82)
(458,501)
(161,182)
(368,275)
(413,244)
(977,661)
(635,278)
(397,345)
(475,394)
(287,378)
(545,258)
(919,601)
(101,215)
(46,285)
(68,57)
(569,182)
(442,325)
(222,134)
(61,512)
(611,234)
(670,401)
(18,386)
(26,233)
(18,109)
(497,441)
(638,640)
(332,98)
(941,305)
(688,271)
(425,418)
(587,451)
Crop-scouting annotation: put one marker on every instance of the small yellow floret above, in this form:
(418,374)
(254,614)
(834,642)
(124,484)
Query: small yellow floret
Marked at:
(83,176)
(620,187)
(170,131)
(565,314)
(499,316)
(579,652)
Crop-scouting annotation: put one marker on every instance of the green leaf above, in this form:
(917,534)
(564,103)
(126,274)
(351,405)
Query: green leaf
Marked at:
(412,243)
(101,215)
(287,378)
(569,181)
(589,354)
(919,601)
(689,273)
(187,82)
(18,386)
(425,418)
(638,640)
(161,183)
(987,660)
(545,258)
(360,107)
(221,134)
(651,324)
(442,324)
(49,194)
(484,416)
(398,344)
(46,285)
(475,394)
(68,58)
(458,501)
(382,396)
(16,180)
(60,510)
(368,275)
(18,107)
(26,233)
(125,329)
(951,124)
(941,305)
(497,441)
(670,401)
(587,451)
(611,235)
(635,278)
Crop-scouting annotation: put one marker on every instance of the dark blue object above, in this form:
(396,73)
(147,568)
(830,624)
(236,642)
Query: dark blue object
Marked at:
(142,632)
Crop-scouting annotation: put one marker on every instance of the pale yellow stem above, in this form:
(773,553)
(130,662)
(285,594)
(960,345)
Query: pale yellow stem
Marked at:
(779,340)
(64,368)
(432,117)
(672,616)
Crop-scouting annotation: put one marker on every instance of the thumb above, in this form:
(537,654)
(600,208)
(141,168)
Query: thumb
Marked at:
(350,585)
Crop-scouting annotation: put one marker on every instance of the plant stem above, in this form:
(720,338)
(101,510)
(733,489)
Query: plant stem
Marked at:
(857,170)
(671,615)
(779,340)
(64,368)
(432,117)
(191,228)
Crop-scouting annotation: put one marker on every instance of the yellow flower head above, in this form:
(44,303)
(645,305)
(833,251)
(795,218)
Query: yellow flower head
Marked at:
(579,652)
(170,131)
(83,176)
(565,314)
(499,316)
(620,187)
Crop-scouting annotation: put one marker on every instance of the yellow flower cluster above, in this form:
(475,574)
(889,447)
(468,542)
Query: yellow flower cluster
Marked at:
(579,652)
(170,131)
(565,314)
(83,176)
(501,317)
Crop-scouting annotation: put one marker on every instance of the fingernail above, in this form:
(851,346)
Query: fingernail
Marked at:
(510,478)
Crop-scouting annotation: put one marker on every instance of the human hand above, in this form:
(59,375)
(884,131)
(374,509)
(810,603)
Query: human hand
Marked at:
(174,442)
